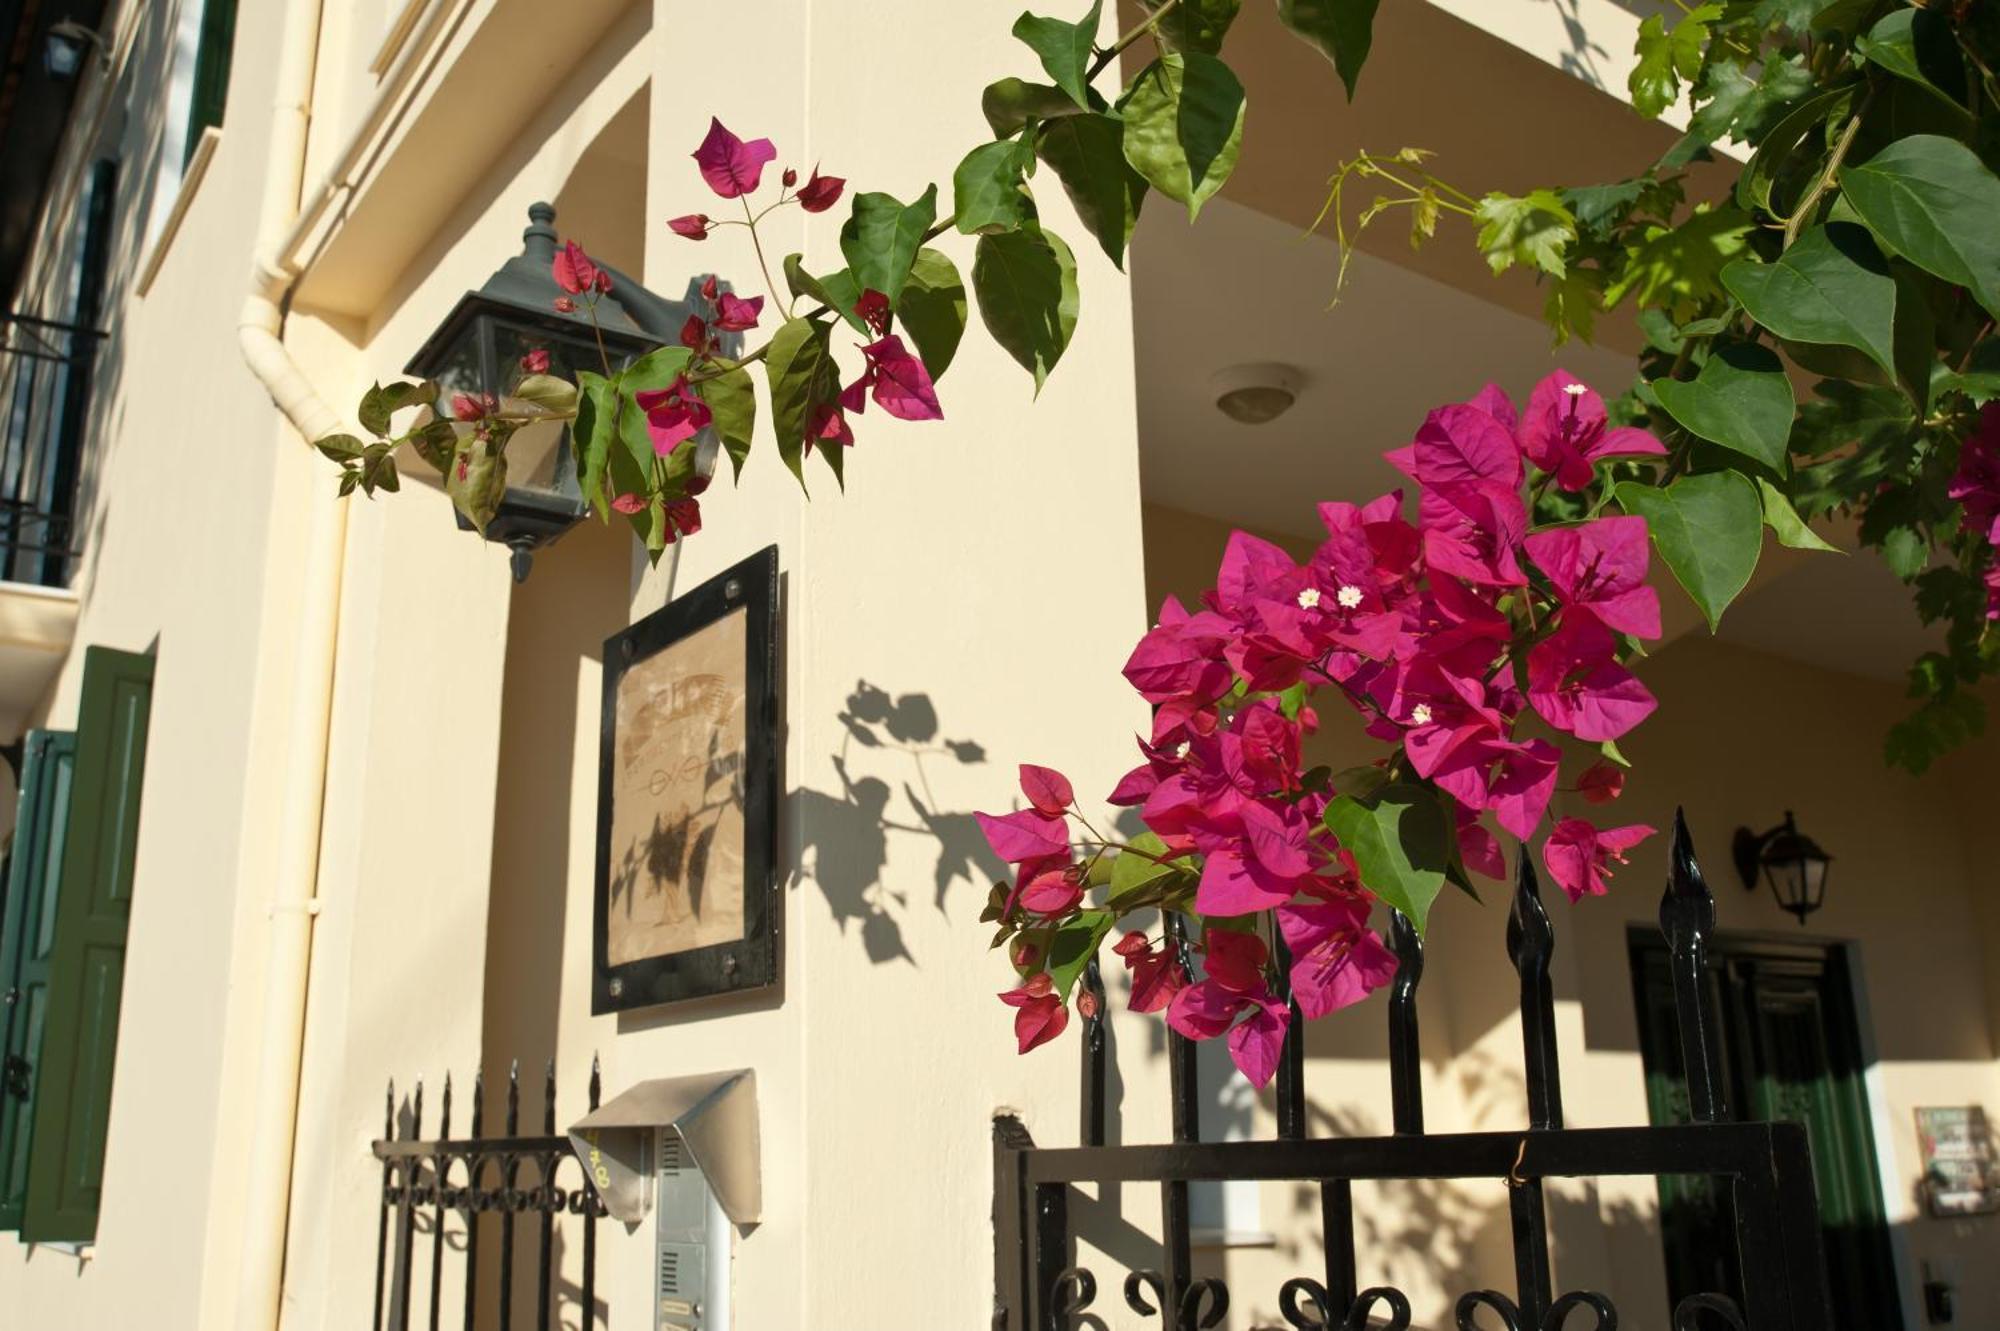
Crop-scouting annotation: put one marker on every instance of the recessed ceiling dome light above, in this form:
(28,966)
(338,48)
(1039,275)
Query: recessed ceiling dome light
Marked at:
(1255,394)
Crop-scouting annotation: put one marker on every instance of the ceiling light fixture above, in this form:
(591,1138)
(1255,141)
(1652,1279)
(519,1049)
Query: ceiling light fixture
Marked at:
(1255,394)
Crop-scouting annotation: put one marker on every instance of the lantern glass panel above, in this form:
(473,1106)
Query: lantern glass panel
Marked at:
(538,456)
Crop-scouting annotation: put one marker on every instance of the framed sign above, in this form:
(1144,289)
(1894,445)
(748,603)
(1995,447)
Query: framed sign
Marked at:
(687,902)
(1961,1173)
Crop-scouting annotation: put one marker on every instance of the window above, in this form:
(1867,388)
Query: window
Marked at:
(62,951)
(213,46)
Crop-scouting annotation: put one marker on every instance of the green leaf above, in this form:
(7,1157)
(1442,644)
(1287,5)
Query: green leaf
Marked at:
(1932,201)
(1679,268)
(1785,522)
(881,238)
(1730,101)
(836,291)
(340,447)
(1343,30)
(1010,104)
(1132,874)
(1709,529)
(1777,161)
(381,402)
(1073,945)
(1918,45)
(802,372)
(1196,25)
(933,310)
(1668,57)
(989,190)
(1184,126)
(654,370)
(733,402)
(1087,153)
(478,477)
(1596,206)
(1831,287)
(590,435)
(546,391)
(1401,841)
(1935,729)
(1741,400)
(1026,284)
(1064,49)
(1905,551)
(1533,230)
(1980,379)
(435,443)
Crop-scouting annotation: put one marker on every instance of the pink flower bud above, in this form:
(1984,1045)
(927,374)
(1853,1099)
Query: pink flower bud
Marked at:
(536,361)
(695,226)
(790,177)
(1086,1004)
(564,305)
(630,503)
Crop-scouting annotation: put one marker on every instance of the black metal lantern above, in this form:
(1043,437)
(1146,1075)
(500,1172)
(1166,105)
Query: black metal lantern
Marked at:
(478,350)
(1790,861)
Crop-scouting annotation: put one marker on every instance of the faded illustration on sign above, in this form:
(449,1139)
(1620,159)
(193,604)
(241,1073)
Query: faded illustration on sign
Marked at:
(1961,1172)
(677,797)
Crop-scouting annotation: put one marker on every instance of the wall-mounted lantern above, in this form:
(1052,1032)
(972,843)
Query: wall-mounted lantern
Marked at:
(1790,861)
(478,349)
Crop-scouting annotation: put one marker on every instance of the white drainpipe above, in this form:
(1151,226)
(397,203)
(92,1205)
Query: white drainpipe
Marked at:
(283,227)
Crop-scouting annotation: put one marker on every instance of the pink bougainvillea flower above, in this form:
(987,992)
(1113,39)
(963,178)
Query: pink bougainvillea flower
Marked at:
(789,177)
(628,504)
(873,310)
(1464,444)
(710,289)
(683,517)
(1601,566)
(473,406)
(1477,845)
(1565,432)
(1048,790)
(820,193)
(673,414)
(729,165)
(1976,483)
(1472,531)
(1577,685)
(1156,972)
(536,361)
(1233,999)
(1040,1015)
(827,424)
(733,314)
(897,381)
(1992,580)
(1523,782)
(1601,783)
(694,333)
(1579,856)
(695,226)
(1336,959)
(1024,835)
(573,270)
(1052,892)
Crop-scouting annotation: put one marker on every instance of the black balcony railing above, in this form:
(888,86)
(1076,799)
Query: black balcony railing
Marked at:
(1039,1286)
(45,371)
(511,1184)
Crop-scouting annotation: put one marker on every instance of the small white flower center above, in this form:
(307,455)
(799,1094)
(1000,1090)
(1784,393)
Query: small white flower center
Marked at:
(1420,715)
(1348,596)
(1575,390)
(1181,749)
(1309,598)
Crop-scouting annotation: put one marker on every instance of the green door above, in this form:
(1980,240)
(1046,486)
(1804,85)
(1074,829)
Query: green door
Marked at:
(72,1092)
(1791,1050)
(27,940)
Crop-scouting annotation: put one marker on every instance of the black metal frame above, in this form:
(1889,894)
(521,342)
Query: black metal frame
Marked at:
(41,443)
(752,961)
(1038,1288)
(423,1180)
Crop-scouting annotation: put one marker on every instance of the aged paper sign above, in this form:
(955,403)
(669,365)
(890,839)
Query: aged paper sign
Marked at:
(677,797)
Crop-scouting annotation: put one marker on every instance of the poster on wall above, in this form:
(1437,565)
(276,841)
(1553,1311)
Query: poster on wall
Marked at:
(686,899)
(1961,1175)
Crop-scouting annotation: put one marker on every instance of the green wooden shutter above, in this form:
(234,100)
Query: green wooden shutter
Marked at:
(27,938)
(211,70)
(72,1102)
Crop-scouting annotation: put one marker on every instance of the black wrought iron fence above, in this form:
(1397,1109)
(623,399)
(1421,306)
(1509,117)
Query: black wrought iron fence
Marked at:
(45,370)
(1039,1286)
(473,1185)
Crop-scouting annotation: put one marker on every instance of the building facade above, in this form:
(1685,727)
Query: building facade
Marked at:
(335,773)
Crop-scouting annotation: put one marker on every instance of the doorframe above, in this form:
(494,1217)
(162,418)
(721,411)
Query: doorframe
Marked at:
(1889,1176)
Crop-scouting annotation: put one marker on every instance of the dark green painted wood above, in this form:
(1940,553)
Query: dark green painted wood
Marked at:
(1791,1050)
(211,70)
(27,938)
(72,1102)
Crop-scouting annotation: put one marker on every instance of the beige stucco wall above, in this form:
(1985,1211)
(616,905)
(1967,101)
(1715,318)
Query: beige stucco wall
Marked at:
(1740,737)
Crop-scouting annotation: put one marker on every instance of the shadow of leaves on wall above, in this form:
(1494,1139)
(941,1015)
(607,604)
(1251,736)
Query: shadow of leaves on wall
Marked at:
(845,836)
